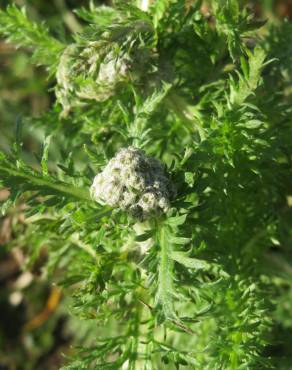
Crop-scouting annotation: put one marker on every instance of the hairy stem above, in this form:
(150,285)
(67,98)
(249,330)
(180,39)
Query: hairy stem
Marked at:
(165,274)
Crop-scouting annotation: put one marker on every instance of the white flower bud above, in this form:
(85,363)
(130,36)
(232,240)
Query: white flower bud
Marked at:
(98,69)
(134,182)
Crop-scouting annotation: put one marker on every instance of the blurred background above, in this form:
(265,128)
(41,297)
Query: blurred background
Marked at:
(35,330)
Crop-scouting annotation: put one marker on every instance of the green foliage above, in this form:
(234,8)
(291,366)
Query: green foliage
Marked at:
(18,29)
(194,288)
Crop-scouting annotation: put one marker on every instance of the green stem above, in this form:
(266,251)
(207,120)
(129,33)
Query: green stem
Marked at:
(181,109)
(165,274)
(86,247)
(69,19)
(135,333)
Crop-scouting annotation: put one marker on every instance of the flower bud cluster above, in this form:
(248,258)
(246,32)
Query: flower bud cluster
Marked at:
(134,182)
(89,72)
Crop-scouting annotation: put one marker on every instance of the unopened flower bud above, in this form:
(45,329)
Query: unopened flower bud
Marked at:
(133,182)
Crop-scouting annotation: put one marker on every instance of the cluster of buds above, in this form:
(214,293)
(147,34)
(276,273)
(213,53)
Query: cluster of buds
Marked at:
(90,72)
(134,182)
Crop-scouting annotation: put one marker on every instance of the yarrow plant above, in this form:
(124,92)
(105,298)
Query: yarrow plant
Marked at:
(160,196)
